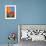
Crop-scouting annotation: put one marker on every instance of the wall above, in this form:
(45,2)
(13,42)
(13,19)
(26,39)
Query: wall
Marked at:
(28,12)
(31,11)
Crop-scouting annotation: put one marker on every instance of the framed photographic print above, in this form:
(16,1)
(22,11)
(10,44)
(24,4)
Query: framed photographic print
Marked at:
(10,11)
